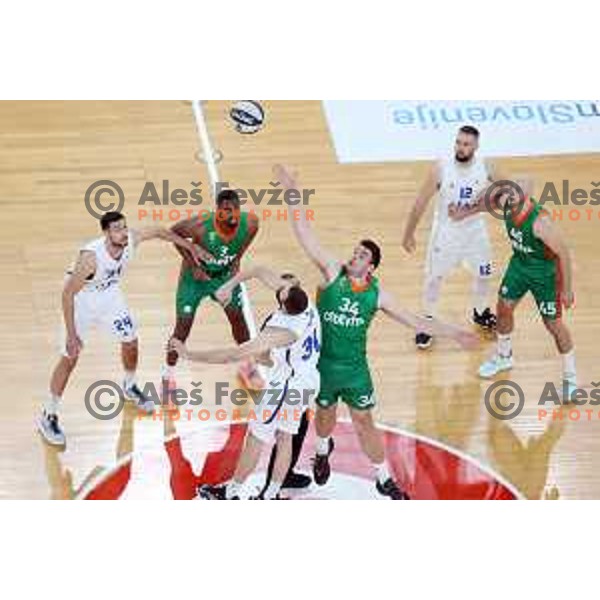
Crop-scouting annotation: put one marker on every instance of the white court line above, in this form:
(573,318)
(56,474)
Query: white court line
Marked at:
(485,468)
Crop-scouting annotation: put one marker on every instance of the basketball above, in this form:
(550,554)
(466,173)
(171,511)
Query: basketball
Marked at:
(248,116)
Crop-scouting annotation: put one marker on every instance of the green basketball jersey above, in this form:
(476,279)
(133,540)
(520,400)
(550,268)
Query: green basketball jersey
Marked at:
(224,253)
(526,246)
(345,318)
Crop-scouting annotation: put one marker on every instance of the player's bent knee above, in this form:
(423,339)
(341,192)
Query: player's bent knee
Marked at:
(505,308)
(362,419)
(183,327)
(553,326)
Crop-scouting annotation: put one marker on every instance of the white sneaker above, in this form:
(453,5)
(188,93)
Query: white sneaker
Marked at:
(50,429)
(135,395)
(496,364)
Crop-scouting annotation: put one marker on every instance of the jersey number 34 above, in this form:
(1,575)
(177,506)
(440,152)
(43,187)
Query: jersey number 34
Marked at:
(311,344)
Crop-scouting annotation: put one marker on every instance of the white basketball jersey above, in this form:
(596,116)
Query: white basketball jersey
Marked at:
(109,271)
(461,184)
(299,359)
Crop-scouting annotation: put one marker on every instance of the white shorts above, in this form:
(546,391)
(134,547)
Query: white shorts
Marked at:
(107,310)
(450,247)
(285,415)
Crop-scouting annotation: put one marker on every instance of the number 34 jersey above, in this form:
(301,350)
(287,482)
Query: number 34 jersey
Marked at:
(346,314)
(297,362)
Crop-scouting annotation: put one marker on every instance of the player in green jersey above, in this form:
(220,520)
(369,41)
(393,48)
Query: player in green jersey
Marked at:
(541,264)
(348,299)
(223,236)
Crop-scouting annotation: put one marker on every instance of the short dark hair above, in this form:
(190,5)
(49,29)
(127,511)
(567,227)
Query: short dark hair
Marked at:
(375,251)
(469,130)
(230,195)
(296,301)
(110,217)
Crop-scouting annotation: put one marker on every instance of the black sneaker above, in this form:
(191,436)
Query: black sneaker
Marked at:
(423,340)
(390,489)
(214,492)
(321,466)
(296,481)
(486,320)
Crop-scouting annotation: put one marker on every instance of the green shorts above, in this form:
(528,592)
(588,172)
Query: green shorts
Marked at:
(544,283)
(350,384)
(191,292)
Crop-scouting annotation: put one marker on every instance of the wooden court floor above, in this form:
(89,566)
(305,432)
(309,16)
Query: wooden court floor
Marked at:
(50,152)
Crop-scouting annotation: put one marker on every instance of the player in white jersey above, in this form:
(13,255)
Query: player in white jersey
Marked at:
(92,296)
(289,344)
(459,182)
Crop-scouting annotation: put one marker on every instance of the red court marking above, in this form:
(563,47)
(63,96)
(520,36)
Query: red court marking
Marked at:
(425,468)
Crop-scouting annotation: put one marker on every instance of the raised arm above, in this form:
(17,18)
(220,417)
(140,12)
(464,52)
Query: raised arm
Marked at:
(428,189)
(267,340)
(388,305)
(266,276)
(84,269)
(326,263)
(195,252)
(551,235)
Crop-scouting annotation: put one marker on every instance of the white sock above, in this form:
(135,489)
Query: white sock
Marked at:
(52,404)
(431,296)
(569,368)
(382,472)
(129,379)
(272,490)
(323,446)
(168,372)
(504,346)
(481,292)
(424,329)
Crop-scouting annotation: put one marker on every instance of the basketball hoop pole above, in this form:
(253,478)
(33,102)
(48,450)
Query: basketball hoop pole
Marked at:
(213,175)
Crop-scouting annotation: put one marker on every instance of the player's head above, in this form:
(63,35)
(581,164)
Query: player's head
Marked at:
(292,299)
(366,257)
(467,143)
(228,208)
(290,279)
(114,226)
